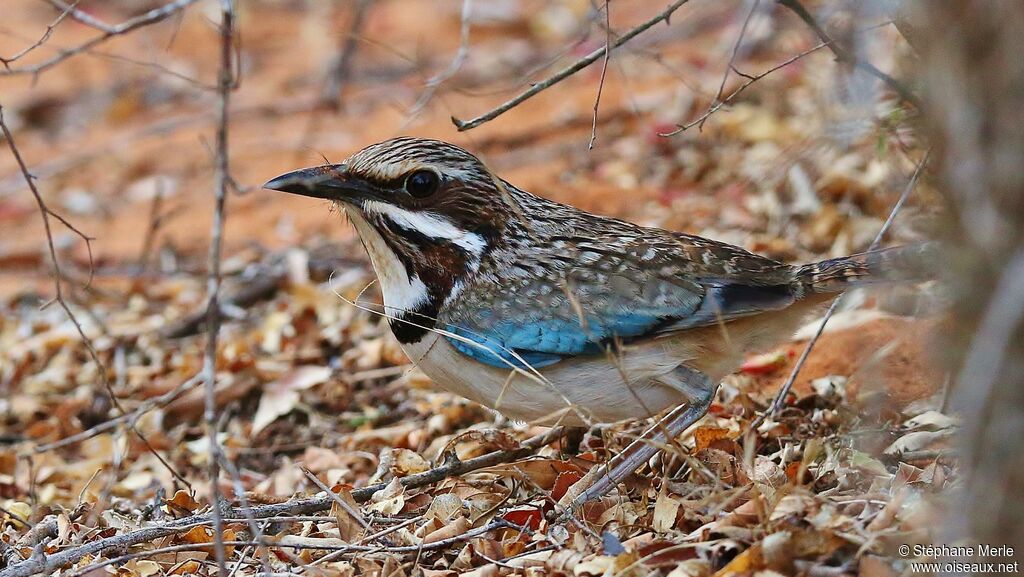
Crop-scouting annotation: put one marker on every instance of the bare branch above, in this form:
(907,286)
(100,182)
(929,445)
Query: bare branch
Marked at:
(435,82)
(604,72)
(342,66)
(732,59)
(566,72)
(42,39)
(313,544)
(151,17)
(82,17)
(844,55)
(130,418)
(40,563)
(226,82)
(750,80)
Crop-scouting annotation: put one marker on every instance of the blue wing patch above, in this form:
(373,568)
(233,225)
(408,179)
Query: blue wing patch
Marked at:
(545,342)
(542,342)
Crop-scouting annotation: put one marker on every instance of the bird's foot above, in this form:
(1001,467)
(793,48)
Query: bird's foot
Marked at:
(601,479)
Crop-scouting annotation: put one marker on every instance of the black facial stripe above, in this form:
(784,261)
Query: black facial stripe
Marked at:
(414,325)
(410,326)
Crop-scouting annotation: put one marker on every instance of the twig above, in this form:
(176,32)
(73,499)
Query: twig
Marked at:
(82,17)
(151,17)
(750,80)
(16,517)
(780,398)
(337,500)
(844,55)
(604,72)
(435,82)
(300,543)
(131,417)
(45,213)
(736,49)
(731,67)
(213,281)
(342,66)
(42,39)
(567,71)
(40,564)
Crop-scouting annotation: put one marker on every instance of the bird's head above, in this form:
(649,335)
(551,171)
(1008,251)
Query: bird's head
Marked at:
(426,211)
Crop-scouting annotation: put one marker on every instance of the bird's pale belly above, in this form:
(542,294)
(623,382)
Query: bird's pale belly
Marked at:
(594,389)
(578,391)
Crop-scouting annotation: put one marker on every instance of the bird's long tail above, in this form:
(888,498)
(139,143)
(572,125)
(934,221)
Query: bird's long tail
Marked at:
(908,263)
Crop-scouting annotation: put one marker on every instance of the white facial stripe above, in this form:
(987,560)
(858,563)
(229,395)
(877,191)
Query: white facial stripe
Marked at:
(400,298)
(401,293)
(429,225)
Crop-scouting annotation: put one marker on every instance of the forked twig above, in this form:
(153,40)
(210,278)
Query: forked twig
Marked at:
(719,103)
(65,11)
(844,55)
(566,72)
(41,563)
(153,16)
(604,71)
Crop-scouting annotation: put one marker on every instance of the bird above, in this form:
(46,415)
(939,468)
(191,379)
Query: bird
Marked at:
(552,315)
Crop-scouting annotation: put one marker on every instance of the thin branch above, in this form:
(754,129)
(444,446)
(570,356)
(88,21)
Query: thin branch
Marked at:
(844,55)
(750,80)
(81,16)
(311,544)
(151,17)
(42,39)
(130,418)
(45,214)
(40,563)
(342,66)
(604,72)
(780,398)
(732,59)
(567,71)
(434,82)
(226,82)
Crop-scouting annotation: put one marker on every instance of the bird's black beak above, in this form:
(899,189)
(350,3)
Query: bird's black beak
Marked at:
(331,182)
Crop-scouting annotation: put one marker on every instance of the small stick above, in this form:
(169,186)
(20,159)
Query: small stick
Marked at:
(42,564)
(153,16)
(844,55)
(213,281)
(604,72)
(566,72)
(780,398)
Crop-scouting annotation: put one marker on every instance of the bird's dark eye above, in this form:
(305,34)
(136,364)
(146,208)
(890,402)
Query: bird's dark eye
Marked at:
(421,183)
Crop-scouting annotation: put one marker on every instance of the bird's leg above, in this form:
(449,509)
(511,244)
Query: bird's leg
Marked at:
(601,479)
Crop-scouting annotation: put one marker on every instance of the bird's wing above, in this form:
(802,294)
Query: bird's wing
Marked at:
(591,293)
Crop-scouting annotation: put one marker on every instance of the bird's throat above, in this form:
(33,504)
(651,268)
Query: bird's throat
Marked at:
(418,272)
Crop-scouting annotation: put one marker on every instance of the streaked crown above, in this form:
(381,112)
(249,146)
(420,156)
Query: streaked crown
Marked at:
(427,212)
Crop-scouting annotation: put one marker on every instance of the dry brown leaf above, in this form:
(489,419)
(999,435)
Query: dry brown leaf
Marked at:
(408,462)
(707,435)
(390,500)
(665,509)
(456,527)
(280,396)
(349,528)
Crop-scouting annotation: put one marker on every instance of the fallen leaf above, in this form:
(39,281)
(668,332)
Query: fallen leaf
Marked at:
(280,396)
(665,509)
